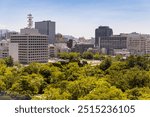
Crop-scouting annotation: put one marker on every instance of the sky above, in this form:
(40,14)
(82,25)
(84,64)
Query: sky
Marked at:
(79,18)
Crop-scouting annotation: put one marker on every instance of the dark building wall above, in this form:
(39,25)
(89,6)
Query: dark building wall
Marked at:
(70,43)
(47,28)
(113,42)
(102,31)
(82,47)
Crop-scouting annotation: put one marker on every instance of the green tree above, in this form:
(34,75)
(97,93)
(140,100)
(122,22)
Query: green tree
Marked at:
(72,71)
(2,86)
(81,88)
(27,85)
(140,61)
(138,93)
(71,56)
(96,56)
(51,93)
(87,55)
(32,68)
(45,71)
(63,55)
(105,64)
(104,91)
(9,61)
(10,76)
(128,79)
(74,57)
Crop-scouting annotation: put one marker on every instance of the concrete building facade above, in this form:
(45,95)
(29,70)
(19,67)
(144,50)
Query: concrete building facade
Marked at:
(4,48)
(52,51)
(81,48)
(32,46)
(112,42)
(47,28)
(138,44)
(102,31)
(147,46)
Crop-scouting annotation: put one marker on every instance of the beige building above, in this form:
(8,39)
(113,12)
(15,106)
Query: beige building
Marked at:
(52,51)
(4,44)
(138,44)
(32,46)
(29,46)
(148,46)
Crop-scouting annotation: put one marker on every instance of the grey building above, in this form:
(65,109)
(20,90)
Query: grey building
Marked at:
(82,47)
(102,31)
(112,42)
(47,28)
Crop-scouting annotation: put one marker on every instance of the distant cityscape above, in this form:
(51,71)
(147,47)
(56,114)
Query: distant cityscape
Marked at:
(41,43)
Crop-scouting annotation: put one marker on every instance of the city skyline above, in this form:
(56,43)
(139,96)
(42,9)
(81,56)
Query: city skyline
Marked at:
(79,17)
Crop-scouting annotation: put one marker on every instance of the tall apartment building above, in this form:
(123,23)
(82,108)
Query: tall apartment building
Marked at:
(102,31)
(47,28)
(112,42)
(29,46)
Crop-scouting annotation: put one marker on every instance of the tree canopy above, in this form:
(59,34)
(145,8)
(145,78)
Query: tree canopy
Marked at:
(112,79)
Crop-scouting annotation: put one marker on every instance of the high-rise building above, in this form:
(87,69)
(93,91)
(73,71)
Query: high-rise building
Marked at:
(102,31)
(29,46)
(47,28)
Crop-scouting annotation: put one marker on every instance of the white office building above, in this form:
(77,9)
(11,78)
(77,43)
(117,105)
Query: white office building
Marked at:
(29,46)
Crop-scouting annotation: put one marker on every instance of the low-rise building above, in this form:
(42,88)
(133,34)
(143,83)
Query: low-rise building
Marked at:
(123,52)
(138,44)
(81,48)
(4,44)
(52,50)
(112,42)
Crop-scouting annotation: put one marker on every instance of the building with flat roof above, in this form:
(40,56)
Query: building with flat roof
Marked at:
(138,44)
(102,31)
(47,28)
(4,44)
(81,47)
(112,42)
(52,51)
(29,46)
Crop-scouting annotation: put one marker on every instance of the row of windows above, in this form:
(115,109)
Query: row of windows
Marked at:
(36,57)
(20,36)
(31,40)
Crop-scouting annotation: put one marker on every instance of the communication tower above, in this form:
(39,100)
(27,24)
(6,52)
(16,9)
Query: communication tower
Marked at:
(30,22)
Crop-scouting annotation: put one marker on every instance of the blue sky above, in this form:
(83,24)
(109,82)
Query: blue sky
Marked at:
(79,17)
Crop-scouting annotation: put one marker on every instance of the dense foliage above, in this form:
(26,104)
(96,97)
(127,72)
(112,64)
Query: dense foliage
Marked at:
(113,79)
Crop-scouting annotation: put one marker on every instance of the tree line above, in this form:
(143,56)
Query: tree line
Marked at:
(113,79)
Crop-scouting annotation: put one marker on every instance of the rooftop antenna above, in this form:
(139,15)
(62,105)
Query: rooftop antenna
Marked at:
(30,22)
